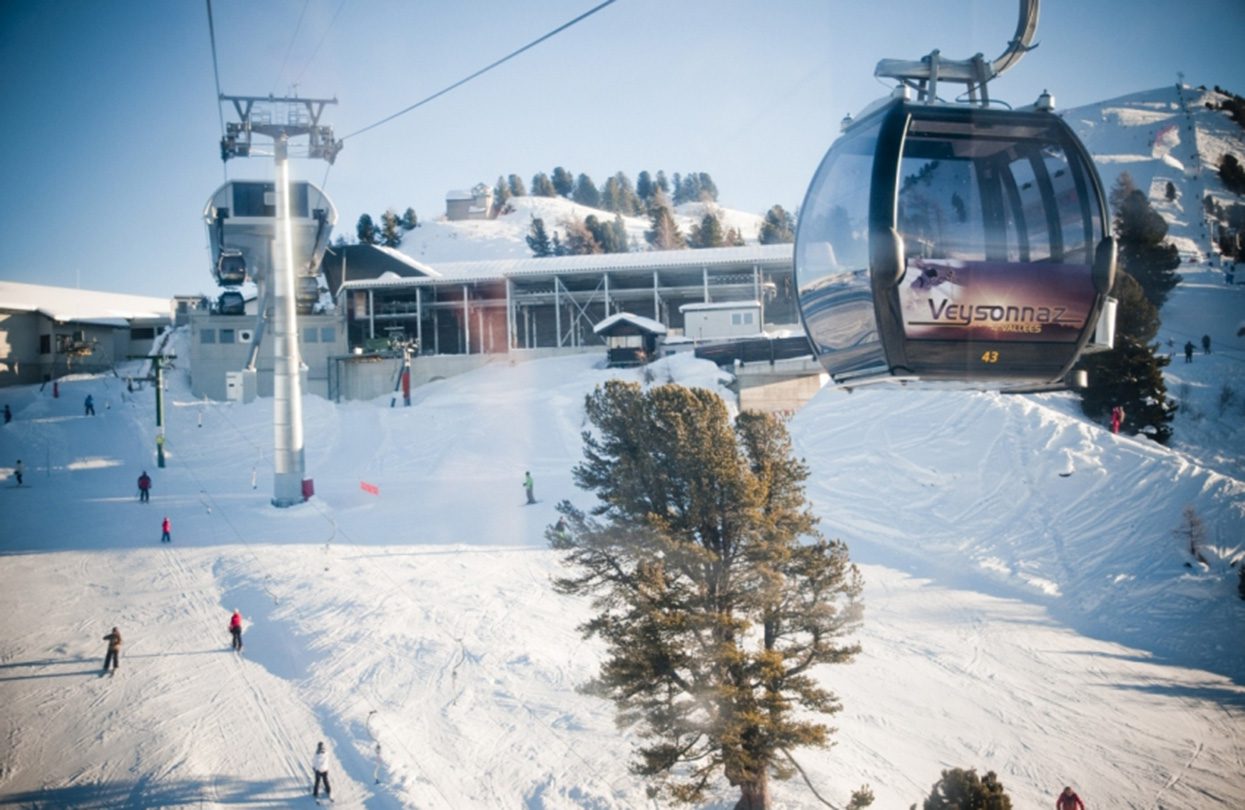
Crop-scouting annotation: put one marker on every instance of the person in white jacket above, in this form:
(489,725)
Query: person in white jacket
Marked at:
(320,764)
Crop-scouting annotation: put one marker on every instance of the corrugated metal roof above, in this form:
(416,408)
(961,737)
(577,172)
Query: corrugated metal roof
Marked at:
(498,269)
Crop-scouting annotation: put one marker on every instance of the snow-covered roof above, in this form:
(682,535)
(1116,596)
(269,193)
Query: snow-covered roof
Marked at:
(414,264)
(493,269)
(69,304)
(647,324)
(721,305)
(458,194)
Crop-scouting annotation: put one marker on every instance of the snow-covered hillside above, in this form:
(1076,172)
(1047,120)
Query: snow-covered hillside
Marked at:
(1029,606)
(505,237)
(1164,135)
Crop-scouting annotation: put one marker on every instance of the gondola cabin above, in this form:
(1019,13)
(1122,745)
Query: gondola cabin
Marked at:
(241,218)
(953,243)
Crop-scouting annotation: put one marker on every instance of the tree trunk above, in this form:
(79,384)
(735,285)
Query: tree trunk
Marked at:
(754,795)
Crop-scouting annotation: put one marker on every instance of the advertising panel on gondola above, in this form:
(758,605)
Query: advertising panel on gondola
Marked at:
(947,299)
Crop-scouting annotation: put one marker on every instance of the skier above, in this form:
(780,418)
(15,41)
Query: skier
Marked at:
(1188,351)
(529,486)
(1068,800)
(144,487)
(1205,344)
(8,414)
(165,528)
(320,765)
(114,649)
(89,406)
(235,630)
(1117,418)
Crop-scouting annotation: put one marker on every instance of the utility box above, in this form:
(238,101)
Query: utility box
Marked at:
(241,386)
(309,489)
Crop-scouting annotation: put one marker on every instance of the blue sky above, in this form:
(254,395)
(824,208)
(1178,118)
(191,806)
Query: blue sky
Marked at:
(112,126)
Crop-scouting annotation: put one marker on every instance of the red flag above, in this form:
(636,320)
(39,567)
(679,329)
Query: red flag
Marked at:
(366,487)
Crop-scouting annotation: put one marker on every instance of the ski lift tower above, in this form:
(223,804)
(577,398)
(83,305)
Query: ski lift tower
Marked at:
(282,119)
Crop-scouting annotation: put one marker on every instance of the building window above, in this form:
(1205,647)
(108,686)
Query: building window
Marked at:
(328,334)
(741,318)
(227,336)
(45,344)
(142,333)
(207,336)
(310,333)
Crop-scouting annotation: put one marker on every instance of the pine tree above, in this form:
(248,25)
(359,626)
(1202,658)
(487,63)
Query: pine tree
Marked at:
(644,187)
(612,197)
(664,233)
(1131,374)
(964,790)
(716,595)
(501,195)
(778,227)
(409,221)
(661,182)
(1232,174)
(579,240)
(586,192)
(708,234)
(706,189)
(538,240)
(563,182)
(610,236)
(734,238)
(542,186)
(366,230)
(1143,253)
(517,189)
(390,229)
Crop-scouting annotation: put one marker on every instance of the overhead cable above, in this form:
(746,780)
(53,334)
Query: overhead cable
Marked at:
(484,70)
(293,37)
(323,37)
(216,74)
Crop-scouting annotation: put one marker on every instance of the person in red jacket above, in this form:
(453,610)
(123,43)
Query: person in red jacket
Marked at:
(235,630)
(1068,800)
(166,527)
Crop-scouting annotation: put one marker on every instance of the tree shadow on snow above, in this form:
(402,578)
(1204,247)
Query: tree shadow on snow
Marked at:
(147,793)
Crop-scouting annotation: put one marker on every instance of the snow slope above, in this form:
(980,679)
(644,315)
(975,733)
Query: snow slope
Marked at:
(1029,608)
(505,237)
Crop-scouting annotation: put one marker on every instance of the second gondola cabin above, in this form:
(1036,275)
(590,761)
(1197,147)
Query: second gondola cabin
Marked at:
(954,243)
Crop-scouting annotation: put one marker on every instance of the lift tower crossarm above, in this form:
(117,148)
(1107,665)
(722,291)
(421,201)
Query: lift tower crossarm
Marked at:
(256,116)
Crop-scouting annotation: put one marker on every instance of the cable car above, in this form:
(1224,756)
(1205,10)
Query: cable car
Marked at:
(230,270)
(955,243)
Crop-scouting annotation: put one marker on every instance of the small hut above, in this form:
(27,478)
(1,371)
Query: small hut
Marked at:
(632,339)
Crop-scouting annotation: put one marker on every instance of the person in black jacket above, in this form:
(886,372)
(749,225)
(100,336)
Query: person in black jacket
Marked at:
(114,649)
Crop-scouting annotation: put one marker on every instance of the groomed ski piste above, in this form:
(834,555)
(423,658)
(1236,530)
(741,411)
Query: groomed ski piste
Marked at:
(1030,607)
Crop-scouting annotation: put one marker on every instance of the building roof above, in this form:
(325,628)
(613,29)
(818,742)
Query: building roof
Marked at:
(69,304)
(639,321)
(720,305)
(497,269)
